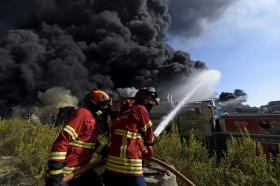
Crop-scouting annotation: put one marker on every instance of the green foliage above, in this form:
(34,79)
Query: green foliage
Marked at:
(276,166)
(190,158)
(33,153)
(11,134)
(245,163)
(30,143)
(171,150)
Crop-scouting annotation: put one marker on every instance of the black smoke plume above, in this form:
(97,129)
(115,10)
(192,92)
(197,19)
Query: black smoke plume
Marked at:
(80,44)
(189,16)
(237,96)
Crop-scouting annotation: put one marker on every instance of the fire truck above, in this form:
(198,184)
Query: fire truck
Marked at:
(213,126)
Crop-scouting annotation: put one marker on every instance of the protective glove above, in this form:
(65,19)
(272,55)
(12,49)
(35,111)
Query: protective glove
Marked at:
(152,141)
(155,139)
(148,152)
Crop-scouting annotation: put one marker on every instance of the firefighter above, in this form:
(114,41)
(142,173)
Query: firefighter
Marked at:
(76,143)
(132,138)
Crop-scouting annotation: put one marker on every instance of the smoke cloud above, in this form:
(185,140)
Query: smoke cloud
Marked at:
(81,44)
(237,97)
(50,102)
(189,16)
(126,92)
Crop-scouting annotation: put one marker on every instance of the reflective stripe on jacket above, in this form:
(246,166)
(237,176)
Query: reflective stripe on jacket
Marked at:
(129,131)
(76,142)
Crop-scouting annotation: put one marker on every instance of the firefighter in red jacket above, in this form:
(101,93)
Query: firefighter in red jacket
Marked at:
(76,143)
(131,139)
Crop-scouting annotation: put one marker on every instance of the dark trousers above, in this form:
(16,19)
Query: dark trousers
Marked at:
(87,179)
(111,179)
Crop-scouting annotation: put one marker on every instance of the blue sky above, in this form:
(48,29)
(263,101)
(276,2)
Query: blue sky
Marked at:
(244,45)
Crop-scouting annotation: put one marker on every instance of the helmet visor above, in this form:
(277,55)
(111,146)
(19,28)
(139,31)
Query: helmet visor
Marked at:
(105,104)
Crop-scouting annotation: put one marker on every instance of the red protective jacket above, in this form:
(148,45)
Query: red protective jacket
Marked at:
(129,132)
(76,142)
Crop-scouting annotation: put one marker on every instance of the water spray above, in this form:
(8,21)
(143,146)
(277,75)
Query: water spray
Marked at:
(172,114)
(200,81)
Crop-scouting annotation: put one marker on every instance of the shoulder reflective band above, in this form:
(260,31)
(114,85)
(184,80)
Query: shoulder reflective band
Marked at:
(71,131)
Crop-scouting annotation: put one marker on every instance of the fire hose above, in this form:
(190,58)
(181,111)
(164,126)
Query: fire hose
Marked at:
(185,180)
(98,163)
(84,169)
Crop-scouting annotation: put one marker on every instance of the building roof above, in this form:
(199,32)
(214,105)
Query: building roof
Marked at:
(262,115)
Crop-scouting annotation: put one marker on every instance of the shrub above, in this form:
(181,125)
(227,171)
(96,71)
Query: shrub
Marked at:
(33,152)
(245,163)
(190,158)
(11,134)
(30,143)
(276,166)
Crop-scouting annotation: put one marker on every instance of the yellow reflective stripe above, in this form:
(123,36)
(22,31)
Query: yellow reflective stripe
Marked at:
(65,170)
(68,170)
(128,134)
(149,124)
(57,155)
(125,161)
(71,131)
(124,169)
(82,144)
(123,147)
(54,172)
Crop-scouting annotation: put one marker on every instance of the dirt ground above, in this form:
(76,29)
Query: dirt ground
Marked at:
(10,175)
(6,165)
